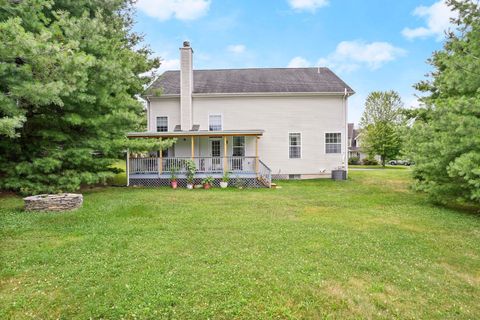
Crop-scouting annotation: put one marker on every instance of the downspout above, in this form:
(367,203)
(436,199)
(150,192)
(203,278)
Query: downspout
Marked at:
(148,113)
(128,167)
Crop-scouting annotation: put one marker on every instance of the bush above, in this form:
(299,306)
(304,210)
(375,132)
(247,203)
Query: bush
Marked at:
(354,160)
(370,162)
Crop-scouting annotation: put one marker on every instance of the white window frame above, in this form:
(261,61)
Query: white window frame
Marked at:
(325,142)
(156,123)
(221,120)
(289,145)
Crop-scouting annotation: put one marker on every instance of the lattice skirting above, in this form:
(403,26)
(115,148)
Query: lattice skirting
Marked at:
(182,183)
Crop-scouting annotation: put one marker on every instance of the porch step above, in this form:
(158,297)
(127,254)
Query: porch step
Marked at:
(263,181)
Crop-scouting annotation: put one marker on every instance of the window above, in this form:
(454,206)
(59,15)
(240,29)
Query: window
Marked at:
(238,146)
(166,152)
(333,142)
(215,122)
(162,124)
(295,147)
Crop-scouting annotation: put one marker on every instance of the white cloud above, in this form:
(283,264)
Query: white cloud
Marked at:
(437,18)
(351,55)
(298,62)
(179,9)
(236,48)
(412,102)
(166,64)
(307,5)
(169,64)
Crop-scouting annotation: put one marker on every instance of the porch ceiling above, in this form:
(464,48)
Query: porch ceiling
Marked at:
(201,133)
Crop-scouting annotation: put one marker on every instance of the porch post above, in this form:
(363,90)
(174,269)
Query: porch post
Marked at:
(193,147)
(225,163)
(256,154)
(160,160)
(128,167)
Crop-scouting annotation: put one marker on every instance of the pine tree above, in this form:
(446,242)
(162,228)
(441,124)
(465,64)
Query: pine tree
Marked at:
(445,138)
(69,76)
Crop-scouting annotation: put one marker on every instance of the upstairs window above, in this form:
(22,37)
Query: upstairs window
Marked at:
(162,124)
(295,145)
(333,142)
(215,122)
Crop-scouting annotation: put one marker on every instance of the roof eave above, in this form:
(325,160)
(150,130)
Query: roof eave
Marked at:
(254,94)
(176,134)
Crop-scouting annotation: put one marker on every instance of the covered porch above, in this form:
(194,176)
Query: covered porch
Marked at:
(213,152)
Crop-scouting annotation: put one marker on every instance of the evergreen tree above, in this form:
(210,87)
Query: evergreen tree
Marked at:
(445,137)
(381,124)
(69,76)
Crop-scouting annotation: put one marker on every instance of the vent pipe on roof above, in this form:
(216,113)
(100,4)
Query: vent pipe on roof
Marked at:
(186,86)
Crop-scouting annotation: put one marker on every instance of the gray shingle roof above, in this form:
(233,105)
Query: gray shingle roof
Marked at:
(256,80)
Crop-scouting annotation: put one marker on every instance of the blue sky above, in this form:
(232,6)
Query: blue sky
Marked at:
(370,44)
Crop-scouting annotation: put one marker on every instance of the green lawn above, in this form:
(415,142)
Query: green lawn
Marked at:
(365,248)
(378,166)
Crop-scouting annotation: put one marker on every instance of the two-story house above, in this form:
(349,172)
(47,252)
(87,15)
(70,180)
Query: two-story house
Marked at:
(354,150)
(259,123)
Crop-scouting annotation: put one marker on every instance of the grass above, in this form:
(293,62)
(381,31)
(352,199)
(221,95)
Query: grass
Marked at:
(120,179)
(365,248)
(378,166)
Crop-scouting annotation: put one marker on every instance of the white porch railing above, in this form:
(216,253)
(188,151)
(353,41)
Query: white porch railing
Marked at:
(204,164)
(251,166)
(143,165)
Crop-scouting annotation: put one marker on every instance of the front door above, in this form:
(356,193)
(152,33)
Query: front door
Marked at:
(216,154)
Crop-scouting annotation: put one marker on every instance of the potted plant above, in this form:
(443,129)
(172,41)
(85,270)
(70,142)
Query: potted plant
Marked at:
(191,169)
(207,182)
(173,178)
(225,179)
(239,183)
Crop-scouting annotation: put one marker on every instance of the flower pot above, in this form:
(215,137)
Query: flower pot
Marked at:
(174,184)
(190,186)
(206,186)
(223,184)
(198,186)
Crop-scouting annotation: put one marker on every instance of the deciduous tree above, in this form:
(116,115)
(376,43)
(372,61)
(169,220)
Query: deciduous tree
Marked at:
(381,123)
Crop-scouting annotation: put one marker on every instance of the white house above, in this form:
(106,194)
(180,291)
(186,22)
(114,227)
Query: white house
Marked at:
(354,143)
(258,124)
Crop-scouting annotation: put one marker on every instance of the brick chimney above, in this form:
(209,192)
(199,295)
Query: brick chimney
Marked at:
(186,86)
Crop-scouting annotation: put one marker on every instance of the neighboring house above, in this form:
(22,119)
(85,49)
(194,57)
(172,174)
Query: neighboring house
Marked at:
(259,123)
(355,144)
(354,147)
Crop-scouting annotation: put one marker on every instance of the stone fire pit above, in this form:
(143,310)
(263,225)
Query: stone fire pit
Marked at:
(53,202)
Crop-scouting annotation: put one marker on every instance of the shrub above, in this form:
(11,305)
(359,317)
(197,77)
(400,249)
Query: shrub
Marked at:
(354,160)
(369,162)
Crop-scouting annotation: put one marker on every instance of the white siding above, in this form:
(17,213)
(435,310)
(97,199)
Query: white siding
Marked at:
(164,107)
(312,116)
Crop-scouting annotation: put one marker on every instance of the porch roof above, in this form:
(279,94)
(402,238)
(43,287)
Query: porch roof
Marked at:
(200,133)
